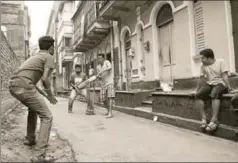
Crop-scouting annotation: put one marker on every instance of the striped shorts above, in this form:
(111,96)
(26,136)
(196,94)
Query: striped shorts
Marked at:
(107,91)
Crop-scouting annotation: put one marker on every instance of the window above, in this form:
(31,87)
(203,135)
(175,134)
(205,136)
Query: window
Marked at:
(67,41)
(127,40)
(199,26)
(165,15)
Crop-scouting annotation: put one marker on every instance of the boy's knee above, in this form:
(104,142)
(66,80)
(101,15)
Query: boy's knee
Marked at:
(215,96)
(199,96)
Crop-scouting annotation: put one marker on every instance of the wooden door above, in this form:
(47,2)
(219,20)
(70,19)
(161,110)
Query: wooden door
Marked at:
(165,57)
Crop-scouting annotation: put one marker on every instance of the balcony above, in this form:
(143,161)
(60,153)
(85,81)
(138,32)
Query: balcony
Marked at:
(68,55)
(113,9)
(93,32)
(97,28)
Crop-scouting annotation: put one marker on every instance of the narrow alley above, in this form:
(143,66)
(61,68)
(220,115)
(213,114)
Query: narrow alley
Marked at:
(128,138)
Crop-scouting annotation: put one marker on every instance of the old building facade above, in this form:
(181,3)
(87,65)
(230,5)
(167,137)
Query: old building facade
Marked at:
(60,28)
(161,40)
(152,42)
(16,22)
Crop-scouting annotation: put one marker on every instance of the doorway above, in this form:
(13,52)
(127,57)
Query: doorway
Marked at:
(128,69)
(234,15)
(164,23)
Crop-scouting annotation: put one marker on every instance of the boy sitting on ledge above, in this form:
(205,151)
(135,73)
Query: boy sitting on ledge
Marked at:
(216,74)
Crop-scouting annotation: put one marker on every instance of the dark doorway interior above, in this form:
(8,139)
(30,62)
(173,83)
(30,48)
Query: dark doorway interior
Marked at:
(234,13)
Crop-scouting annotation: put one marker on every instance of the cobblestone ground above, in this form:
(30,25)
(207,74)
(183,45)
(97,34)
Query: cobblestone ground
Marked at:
(13,133)
(127,138)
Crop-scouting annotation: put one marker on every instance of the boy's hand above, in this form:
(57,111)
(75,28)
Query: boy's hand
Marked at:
(52,100)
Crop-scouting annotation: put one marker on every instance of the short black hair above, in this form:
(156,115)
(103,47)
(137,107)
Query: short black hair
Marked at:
(208,53)
(45,42)
(101,54)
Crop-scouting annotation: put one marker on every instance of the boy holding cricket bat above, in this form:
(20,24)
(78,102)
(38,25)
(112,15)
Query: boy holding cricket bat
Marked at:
(79,87)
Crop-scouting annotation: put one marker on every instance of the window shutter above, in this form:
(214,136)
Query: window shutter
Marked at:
(199,26)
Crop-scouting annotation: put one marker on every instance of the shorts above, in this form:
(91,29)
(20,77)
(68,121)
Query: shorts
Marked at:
(74,93)
(211,91)
(107,91)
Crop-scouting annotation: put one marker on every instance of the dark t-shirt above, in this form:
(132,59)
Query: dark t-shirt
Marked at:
(33,67)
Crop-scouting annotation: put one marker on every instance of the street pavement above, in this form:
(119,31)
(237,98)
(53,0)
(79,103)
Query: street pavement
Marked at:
(129,138)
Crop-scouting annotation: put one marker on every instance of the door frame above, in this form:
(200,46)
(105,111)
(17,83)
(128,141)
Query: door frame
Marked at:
(233,41)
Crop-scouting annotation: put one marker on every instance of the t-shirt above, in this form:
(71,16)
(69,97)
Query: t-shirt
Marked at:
(33,67)
(213,72)
(77,79)
(107,77)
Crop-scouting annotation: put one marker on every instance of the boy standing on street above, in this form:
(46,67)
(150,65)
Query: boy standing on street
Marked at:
(23,87)
(216,73)
(107,92)
(76,79)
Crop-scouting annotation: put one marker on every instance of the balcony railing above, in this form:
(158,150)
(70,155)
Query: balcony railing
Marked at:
(92,14)
(77,33)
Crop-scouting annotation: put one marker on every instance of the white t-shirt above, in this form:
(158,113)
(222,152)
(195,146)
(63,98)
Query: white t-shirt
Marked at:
(213,72)
(107,77)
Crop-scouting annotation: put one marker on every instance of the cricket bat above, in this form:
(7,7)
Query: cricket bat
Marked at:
(86,82)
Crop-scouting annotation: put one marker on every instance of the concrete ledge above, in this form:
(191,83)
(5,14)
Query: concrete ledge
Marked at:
(223,131)
(131,98)
(182,104)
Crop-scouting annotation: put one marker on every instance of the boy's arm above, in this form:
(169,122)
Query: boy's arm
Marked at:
(41,92)
(201,79)
(71,80)
(224,71)
(108,67)
(225,79)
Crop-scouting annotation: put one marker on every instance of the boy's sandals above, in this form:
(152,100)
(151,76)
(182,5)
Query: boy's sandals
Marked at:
(204,124)
(90,112)
(212,126)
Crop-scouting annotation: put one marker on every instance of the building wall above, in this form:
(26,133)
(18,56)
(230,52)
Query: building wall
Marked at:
(15,19)
(215,26)
(216,32)
(9,63)
(181,49)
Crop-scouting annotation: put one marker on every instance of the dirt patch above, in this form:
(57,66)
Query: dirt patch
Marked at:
(13,133)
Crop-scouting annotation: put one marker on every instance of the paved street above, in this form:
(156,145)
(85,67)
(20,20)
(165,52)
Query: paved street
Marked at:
(128,138)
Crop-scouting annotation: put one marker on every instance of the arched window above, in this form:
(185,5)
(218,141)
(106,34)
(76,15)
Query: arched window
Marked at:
(141,33)
(164,16)
(127,40)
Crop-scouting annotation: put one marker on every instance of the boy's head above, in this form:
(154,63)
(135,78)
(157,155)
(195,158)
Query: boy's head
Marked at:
(101,58)
(77,68)
(47,43)
(207,56)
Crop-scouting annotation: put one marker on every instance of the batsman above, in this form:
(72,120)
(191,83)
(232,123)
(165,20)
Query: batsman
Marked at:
(79,86)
